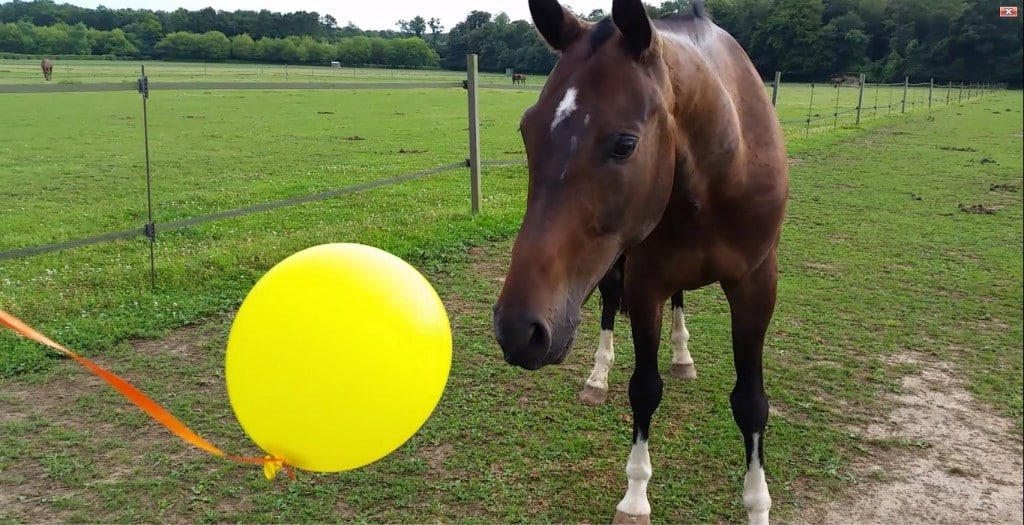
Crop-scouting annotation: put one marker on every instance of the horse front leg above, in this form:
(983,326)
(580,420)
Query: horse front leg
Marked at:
(645,389)
(595,390)
(752,303)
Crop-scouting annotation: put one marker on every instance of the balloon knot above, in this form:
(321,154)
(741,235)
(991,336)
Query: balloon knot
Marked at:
(273,465)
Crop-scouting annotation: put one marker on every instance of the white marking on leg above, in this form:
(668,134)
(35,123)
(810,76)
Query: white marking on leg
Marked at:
(603,360)
(565,107)
(680,339)
(755,490)
(638,473)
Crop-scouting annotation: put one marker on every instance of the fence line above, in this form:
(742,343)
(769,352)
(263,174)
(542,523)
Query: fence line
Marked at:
(471,84)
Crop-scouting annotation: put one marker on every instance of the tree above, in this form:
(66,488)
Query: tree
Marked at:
(435,29)
(418,26)
(791,37)
(243,47)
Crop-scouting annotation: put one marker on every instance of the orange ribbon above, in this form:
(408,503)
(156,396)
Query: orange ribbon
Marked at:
(271,465)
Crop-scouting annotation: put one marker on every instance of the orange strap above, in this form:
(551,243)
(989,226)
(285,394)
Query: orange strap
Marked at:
(271,465)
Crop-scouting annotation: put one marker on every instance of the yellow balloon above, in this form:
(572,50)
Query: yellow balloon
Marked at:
(337,356)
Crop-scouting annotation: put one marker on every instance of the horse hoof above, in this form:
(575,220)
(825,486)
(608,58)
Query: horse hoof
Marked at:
(621,518)
(687,371)
(593,396)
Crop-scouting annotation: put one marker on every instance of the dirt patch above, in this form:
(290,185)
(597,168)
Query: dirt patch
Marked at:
(68,433)
(435,456)
(492,261)
(955,148)
(354,137)
(66,425)
(964,465)
(411,151)
(978,209)
(1008,188)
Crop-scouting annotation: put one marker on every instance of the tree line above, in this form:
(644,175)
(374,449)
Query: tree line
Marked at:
(806,39)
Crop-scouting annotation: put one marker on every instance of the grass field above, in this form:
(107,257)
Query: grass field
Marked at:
(877,259)
(90,71)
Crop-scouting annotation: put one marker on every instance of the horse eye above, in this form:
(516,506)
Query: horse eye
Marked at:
(624,147)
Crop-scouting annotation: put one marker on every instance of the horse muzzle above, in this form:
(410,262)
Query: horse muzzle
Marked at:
(529,341)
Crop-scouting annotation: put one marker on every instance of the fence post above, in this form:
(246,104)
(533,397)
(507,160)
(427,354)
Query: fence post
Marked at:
(775,87)
(835,114)
(949,90)
(960,94)
(474,134)
(906,87)
(860,97)
(931,87)
(810,104)
(149,228)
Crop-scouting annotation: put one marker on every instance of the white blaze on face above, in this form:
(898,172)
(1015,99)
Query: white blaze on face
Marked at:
(565,108)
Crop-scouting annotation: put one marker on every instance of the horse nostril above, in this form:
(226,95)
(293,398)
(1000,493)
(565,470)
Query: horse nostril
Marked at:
(540,337)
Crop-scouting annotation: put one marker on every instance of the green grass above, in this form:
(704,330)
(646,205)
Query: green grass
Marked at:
(877,259)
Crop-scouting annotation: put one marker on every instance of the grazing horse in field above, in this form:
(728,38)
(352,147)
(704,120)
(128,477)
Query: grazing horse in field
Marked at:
(47,66)
(595,390)
(518,78)
(652,139)
(843,80)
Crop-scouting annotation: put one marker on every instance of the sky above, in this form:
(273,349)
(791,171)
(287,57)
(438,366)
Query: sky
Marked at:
(367,14)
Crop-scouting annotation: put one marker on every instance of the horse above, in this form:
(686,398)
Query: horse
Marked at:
(842,80)
(595,389)
(47,66)
(652,139)
(518,78)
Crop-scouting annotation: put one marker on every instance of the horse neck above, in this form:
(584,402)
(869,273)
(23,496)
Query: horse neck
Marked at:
(707,124)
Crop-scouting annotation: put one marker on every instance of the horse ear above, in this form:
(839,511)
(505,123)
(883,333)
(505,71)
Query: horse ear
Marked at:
(557,25)
(631,18)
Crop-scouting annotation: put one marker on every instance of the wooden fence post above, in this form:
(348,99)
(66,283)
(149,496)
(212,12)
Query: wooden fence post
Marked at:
(860,97)
(474,134)
(931,87)
(775,87)
(906,87)
(949,90)
(960,94)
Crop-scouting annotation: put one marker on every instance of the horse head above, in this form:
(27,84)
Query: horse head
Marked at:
(600,149)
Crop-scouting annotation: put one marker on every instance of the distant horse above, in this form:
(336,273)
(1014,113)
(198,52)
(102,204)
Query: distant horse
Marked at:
(652,139)
(845,80)
(518,78)
(47,66)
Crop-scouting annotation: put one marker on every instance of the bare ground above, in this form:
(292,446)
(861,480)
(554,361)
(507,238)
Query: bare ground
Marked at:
(966,466)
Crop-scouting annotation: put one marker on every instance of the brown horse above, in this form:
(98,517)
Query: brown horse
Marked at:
(47,66)
(652,139)
(843,80)
(518,78)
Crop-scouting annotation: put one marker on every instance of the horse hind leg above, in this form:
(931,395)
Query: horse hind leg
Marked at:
(752,303)
(682,362)
(595,391)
